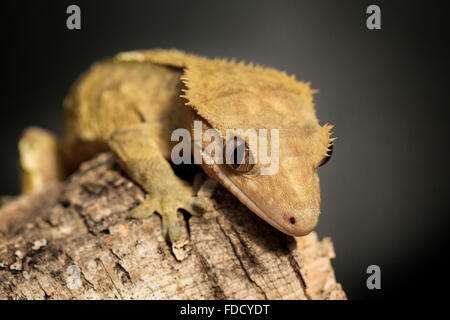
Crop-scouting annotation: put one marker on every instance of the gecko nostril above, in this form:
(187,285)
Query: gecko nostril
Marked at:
(292,220)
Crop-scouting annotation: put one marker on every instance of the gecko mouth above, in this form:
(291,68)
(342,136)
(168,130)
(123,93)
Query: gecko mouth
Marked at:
(238,193)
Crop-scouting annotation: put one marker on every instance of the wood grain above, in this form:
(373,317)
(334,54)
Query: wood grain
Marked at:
(228,253)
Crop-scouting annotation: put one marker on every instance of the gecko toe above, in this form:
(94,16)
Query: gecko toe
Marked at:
(197,206)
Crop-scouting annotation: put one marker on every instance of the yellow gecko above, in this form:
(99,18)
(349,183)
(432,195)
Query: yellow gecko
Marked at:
(132,103)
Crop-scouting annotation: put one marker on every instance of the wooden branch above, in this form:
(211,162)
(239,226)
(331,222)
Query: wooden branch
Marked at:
(83,224)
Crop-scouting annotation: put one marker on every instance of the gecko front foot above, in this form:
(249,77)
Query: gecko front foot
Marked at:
(141,158)
(167,207)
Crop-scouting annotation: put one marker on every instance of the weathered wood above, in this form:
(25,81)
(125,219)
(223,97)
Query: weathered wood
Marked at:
(229,253)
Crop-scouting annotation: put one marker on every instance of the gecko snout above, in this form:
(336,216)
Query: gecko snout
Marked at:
(302,222)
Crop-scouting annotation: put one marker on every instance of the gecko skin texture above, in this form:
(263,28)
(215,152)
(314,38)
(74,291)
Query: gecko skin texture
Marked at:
(131,104)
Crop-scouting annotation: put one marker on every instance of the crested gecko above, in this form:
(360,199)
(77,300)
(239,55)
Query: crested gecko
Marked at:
(131,104)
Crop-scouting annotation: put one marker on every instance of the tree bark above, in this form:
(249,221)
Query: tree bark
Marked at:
(76,241)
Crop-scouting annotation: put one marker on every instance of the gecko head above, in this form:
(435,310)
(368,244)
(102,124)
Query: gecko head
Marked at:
(230,95)
(284,188)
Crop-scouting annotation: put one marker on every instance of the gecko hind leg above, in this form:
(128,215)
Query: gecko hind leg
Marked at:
(40,159)
(45,159)
(140,157)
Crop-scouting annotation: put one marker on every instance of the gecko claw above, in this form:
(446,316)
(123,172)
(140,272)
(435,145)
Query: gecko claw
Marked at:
(170,228)
(198,206)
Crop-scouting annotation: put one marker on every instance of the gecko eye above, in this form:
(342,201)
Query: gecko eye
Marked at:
(329,153)
(238,156)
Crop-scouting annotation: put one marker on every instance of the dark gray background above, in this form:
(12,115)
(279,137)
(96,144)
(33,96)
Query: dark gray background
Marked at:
(383,190)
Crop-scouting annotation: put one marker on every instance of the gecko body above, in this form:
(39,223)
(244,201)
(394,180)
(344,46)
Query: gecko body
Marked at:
(132,103)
